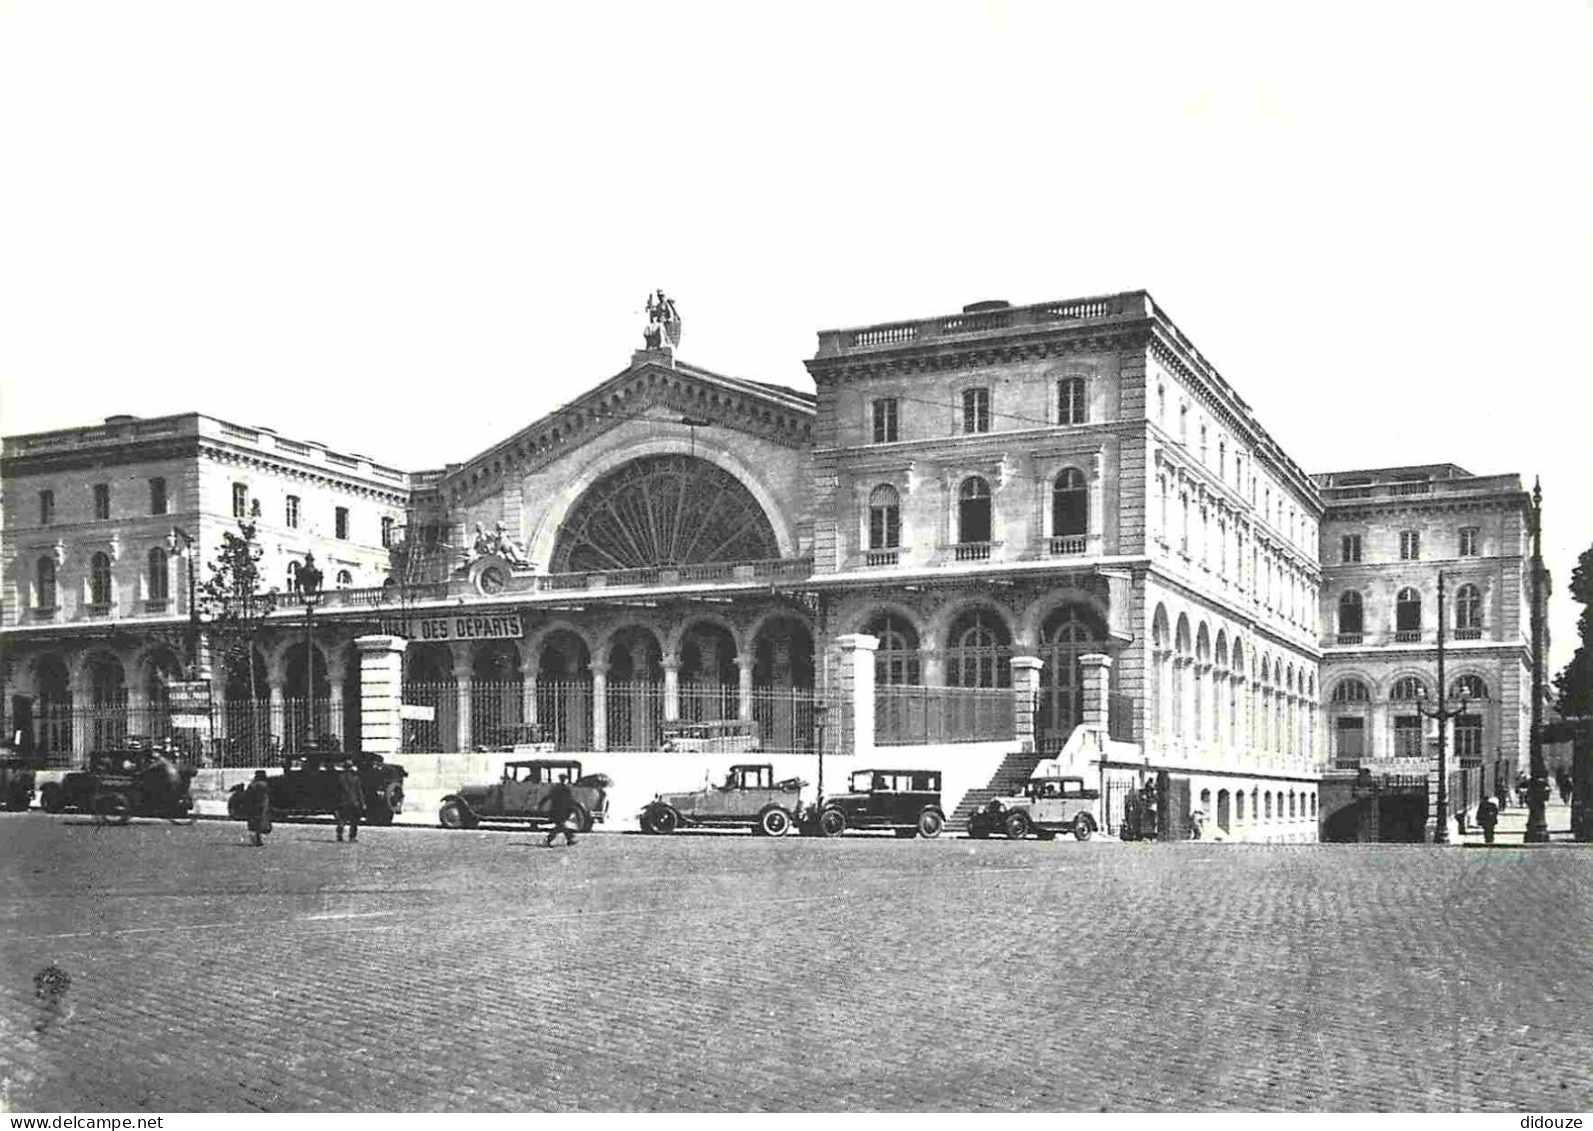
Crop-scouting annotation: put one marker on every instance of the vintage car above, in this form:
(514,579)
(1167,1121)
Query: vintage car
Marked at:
(125,783)
(1047,806)
(16,780)
(522,795)
(518,738)
(716,736)
(905,801)
(749,798)
(308,787)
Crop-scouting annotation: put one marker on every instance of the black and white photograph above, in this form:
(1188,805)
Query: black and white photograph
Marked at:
(973,556)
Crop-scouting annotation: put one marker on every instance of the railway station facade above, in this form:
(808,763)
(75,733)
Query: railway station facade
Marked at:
(1064,498)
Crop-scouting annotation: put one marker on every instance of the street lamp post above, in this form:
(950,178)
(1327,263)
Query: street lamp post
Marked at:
(821,712)
(310,586)
(1538,783)
(192,642)
(1443,715)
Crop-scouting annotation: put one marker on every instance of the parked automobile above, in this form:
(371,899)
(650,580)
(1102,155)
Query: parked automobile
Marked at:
(749,798)
(716,736)
(16,780)
(905,801)
(121,784)
(1047,806)
(521,794)
(308,787)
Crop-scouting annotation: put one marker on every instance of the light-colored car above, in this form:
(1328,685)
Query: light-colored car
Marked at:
(521,794)
(1048,806)
(749,798)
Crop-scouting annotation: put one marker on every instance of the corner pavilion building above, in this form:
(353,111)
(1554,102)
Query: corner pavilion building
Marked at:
(991,536)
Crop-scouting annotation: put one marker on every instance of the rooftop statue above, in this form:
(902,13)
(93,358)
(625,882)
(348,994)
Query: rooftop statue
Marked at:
(498,543)
(663,322)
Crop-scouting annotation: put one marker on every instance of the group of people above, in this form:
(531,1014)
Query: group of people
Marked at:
(348,808)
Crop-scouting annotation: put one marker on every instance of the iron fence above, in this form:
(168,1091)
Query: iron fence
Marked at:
(925,716)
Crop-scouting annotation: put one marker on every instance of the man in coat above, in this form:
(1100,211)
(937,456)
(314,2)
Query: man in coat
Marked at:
(257,804)
(350,805)
(561,811)
(1487,817)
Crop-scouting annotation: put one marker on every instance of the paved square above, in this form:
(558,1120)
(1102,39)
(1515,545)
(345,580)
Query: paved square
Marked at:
(421,969)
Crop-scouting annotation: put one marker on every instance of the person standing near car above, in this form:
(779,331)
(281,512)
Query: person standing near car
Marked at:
(561,811)
(257,804)
(350,801)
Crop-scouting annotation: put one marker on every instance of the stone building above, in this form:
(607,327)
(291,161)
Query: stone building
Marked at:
(1387,536)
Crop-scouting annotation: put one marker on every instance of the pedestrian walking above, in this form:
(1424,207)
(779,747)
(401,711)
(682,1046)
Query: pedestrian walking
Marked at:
(350,807)
(1487,817)
(561,811)
(163,781)
(257,805)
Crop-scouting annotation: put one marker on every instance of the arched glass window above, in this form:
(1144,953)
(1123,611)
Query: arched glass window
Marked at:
(157,574)
(100,580)
(1406,689)
(46,576)
(979,651)
(1070,404)
(1468,607)
(1408,611)
(1351,619)
(1351,691)
(1070,504)
(896,662)
(345,579)
(1470,686)
(884,518)
(973,510)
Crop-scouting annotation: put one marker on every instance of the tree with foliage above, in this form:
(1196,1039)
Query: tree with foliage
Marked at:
(236,608)
(1574,685)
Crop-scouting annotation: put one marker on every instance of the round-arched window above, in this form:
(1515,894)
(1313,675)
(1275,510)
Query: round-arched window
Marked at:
(1351,691)
(884,518)
(973,510)
(1070,504)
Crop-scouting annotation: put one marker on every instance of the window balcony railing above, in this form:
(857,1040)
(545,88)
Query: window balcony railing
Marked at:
(1408,636)
(881,557)
(1350,637)
(1468,634)
(156,604)
(1068,545)
(972,551)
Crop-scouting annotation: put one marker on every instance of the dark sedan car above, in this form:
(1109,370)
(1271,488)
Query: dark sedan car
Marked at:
(907,802)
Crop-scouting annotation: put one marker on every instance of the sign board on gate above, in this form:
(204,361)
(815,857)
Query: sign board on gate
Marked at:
(417,712)
(200,723)
(189,695)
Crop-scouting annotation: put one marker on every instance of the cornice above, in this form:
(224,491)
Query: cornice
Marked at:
(223,453)
(1003,347)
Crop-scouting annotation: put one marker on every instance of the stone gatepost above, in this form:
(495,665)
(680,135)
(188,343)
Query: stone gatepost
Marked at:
(856,686)
(1094,671)
(1025,697)
(381,694)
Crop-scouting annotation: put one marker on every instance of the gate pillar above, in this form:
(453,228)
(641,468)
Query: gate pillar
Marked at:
(1094,672)
(857,686)
(1025,699)
(381,694)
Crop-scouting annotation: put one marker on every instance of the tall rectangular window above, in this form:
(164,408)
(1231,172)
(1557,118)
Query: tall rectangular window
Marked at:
(293,512)
(1349,741)
(102,501)
(1070,405)
(157,495)
(342,522)
(1410,545)
(975,410)
(1407,736)
(1468,541)
(46,507)
(240,500)
(884,412)
(1468,736)
(387,532)
(1350,545)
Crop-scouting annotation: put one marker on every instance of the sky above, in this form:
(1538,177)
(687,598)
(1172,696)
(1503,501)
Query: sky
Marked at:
(410,229)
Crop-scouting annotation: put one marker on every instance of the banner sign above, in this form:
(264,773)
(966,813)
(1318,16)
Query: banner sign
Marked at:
(188,696)
(460,626)
(417,712)
(200,723)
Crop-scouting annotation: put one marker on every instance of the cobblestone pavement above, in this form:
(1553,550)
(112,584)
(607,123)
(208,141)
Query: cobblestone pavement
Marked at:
(420,969)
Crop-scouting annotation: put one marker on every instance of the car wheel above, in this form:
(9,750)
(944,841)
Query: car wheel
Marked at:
(453,815)
(187,812)
(1016,825)
(52,798)
(775,821)
(930,822)
(113,809)
(1083,826)
(665,821)
(832,822)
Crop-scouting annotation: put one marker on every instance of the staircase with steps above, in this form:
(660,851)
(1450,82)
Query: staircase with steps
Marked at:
(1008,779)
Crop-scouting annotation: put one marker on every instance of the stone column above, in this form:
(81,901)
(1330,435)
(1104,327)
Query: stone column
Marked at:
(671,689)
(857,688)
(277,720)
(1025,696)
(1094,674)
(381,694)
(599,670)
(744,665)
(334,700)
(464,680)
(932,661)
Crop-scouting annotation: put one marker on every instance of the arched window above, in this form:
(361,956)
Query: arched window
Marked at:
(158,588)
(1408,611)
(1351,620)
(46,576)
(896,661)
(345,579)
(1407,688)
(293,577)
(1351,691)
(1070,504)
(973,510)
(1468,608)
(1070,404)
(1470,686)
(100,580)
(884,518)
(979,651)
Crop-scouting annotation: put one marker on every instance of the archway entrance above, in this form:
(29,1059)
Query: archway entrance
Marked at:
(1068,633)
